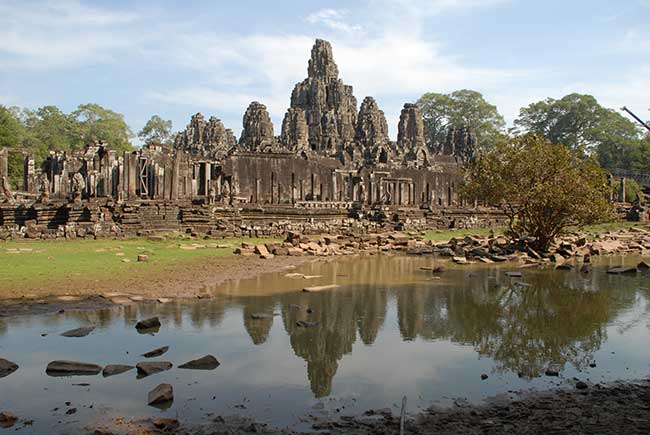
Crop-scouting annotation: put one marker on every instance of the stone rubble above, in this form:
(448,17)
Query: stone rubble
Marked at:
(163,393)
(149,368)
(7,367)
(79,332)
(72,368)
(466,250)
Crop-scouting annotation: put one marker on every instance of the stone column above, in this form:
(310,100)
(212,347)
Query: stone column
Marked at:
(623,189)
(130,172)
(4,163)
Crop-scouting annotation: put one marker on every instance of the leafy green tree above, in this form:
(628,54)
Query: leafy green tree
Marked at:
(12,131)
(542,188)
(48,128)
(94,122)
(12,135)
(156,131)
(582,124)
(462,108)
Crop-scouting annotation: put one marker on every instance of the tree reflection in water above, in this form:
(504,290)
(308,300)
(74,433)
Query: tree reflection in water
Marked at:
(555,318)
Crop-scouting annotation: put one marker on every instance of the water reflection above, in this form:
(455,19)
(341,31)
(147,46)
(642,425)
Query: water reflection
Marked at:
(547,318)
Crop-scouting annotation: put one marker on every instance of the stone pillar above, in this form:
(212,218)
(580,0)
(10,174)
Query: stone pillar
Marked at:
(622,189)
(4,163)
(130,173)
(175,178)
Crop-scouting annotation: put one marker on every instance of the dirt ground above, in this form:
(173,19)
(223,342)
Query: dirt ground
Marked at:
(618,408)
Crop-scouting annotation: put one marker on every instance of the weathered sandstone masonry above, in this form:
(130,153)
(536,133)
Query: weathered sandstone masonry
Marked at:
(332,166)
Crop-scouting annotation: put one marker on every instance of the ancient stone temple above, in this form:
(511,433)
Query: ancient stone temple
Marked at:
(295,133)
(257,135)
(461,142)
(329,105)
(332,166)
(208,139)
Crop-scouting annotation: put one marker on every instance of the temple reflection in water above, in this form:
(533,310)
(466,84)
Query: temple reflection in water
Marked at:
(548,319)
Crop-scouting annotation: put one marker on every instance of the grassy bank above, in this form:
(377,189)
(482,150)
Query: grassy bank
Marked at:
(48,261)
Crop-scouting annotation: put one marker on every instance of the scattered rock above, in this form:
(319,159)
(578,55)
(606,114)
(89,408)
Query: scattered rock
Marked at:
(643,265)
(7,419)
(580,385)
(564,266)
(142,258)
(514,274)
(71,411)
(166,424)
(484,376)
(79,332)
(151,323)
(72,368)
(7,367)
(312,276)
(460,260)
(306,324)
(260,316)
(150,368)
(320,288)
(163,300)
(156,352)
(552,372)
(162,395)
(207,362)
(261,250)
(115,369)
(585,268)
(622,270)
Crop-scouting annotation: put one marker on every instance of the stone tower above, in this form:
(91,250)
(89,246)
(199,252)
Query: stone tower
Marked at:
(410,136)
(258,129)
(329,105)
(410,130)
(461,143)
(206,139)
(294,134)
(372,128)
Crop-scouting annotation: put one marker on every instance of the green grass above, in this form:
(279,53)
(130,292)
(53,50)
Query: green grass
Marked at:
(613,226)
(444,235)
(44,260)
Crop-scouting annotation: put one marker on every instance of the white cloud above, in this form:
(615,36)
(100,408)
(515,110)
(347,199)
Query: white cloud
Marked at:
(46,34)
(393,68)
(334,19)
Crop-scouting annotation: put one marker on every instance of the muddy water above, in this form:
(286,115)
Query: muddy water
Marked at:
(390,330)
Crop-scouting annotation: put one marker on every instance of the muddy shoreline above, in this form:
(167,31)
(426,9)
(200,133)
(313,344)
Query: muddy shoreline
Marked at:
(613,408)
(192,280)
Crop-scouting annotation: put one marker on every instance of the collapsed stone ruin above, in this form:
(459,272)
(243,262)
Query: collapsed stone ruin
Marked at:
(330,167)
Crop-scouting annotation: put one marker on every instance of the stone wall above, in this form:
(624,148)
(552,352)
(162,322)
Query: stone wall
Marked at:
(98,219)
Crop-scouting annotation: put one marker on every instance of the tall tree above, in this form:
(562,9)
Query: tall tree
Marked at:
(94,122)
(541,187)
(48,128)
(12,131)
(462,108)
(156,131)
(579,122)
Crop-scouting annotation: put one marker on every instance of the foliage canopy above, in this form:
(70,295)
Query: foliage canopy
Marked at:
(156,131)
(462,108)
(48,128)
(582,124)
(542,187)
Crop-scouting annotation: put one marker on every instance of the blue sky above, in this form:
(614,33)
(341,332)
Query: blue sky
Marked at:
(174,59)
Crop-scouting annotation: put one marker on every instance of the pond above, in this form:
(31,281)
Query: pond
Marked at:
(390,330)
